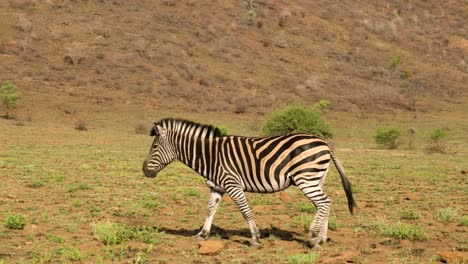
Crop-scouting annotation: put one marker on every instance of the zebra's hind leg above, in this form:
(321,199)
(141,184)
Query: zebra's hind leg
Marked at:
(319,226)
(238,196)
(215,198)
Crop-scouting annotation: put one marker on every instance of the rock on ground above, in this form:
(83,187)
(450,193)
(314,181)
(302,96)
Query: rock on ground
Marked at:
(210,247)
(453,257)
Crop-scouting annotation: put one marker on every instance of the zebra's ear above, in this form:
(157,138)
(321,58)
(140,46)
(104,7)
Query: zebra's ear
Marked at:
(161,131)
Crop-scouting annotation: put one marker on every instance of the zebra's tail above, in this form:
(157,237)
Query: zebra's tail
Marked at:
(345,182)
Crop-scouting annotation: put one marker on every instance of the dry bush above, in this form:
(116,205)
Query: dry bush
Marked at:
(81,125)
(75,53)
(22,4)
(142,129)
(23,24)
(140,45)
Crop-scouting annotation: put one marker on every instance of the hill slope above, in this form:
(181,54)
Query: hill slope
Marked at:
(86,57)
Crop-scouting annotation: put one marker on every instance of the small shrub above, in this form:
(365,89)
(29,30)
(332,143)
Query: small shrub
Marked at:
(464,220)
(296,118)
(333,223)
(322,105)
(82,186)
(307,207)
(447,214)
(395,61)
(400,230)
(411,133)
(81,126)
(387,137)
(303,258)
(436,145)
(409,214)
(141,129)
(223,130)
(192,192)
(110,233)
(251,16)
(9,96)
(14,221)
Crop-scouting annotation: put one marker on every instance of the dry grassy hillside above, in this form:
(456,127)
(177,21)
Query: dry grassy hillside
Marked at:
(77,59)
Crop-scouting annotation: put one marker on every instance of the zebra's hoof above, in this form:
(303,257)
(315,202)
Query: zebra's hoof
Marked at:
(315,243)
(257,244)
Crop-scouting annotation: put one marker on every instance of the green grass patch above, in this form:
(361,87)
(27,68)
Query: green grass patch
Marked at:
(82,186)
(400,230)
(464,220)
(192,192)
(111,233)
(307,207)
(409,214)
(14,221)
(447,214)
(303,258)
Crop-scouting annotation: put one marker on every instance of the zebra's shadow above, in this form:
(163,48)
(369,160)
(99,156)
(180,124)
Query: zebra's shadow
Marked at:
(233,234)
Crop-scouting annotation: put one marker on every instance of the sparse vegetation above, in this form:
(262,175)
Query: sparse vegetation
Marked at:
(436,142)
(296,118)
(141,129)
(387,137)
(409,214)
(14,221)
(223,130)
(303,258)
(400,230)
(111,233)
(447,214)
(395,61)
(9,96)
(322,106)
(81,125)
(411,134)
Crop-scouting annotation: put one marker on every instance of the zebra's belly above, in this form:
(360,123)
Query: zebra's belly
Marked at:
(268,186)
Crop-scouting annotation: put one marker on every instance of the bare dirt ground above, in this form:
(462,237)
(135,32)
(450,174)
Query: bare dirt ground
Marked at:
(112,66)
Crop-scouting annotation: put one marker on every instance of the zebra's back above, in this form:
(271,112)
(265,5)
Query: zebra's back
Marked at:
(273,163)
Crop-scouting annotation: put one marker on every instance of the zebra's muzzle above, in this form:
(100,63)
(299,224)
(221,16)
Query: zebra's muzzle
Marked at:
(148,173)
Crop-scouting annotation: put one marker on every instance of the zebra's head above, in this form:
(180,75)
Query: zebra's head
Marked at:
(161,152)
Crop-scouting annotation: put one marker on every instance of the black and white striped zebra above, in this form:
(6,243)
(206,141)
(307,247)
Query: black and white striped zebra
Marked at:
(234,164)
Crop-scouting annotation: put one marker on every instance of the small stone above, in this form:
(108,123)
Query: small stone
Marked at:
(210,247)
(285,197)
(411,197)
(453,257)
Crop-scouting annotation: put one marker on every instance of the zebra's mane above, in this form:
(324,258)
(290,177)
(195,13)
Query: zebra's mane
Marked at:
(174,124)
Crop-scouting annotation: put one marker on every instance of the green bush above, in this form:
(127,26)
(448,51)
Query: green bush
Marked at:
(399,230)
(438,134)
(223,130)
(9,96)
(296,118)
(387,137)
(14,221)
(322,105)
(395,61)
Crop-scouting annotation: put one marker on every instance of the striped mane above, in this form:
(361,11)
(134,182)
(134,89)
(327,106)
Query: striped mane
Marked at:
(173,124)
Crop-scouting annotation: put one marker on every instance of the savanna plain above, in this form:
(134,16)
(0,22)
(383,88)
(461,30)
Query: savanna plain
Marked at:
(84,198)
(92,75)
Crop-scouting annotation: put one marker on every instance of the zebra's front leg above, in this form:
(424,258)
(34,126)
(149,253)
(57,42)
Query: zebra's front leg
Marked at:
(238,196)
(215,198)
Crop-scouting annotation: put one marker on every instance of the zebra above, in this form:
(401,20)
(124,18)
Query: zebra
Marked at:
(237,164)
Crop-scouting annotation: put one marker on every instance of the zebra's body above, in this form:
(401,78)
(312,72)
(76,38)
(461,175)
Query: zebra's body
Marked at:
(234,164)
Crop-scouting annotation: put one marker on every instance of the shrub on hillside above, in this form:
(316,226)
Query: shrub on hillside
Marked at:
(9,96)
(387,137)
(436,142)
(296,118)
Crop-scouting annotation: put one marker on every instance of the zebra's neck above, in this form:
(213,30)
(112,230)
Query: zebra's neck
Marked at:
(194,144)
